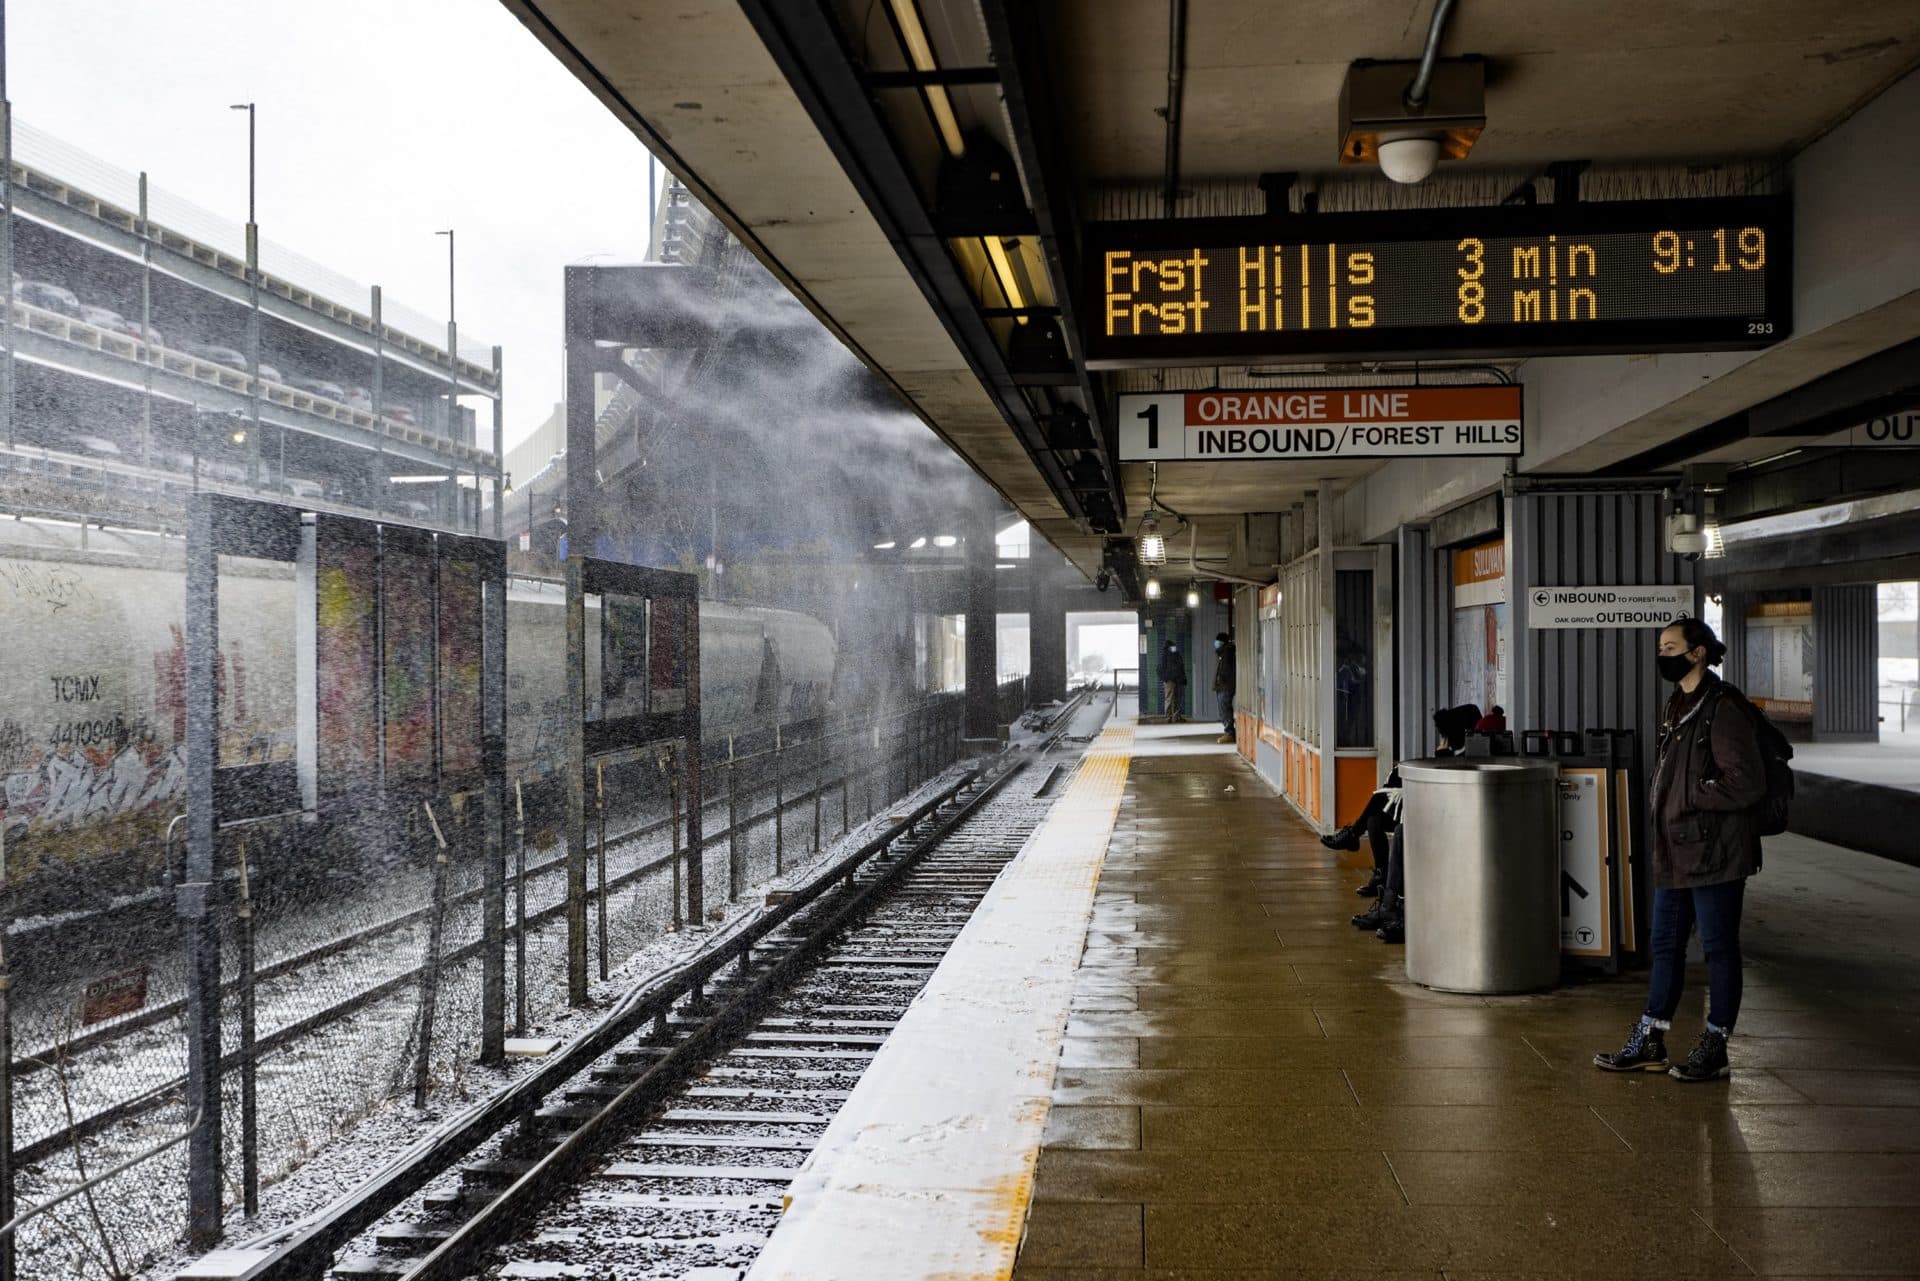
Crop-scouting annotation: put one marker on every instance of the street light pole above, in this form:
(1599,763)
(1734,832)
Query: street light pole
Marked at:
(253,311)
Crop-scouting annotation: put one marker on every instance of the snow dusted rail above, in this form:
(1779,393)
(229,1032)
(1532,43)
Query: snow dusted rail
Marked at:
(726,825)
(697,1012)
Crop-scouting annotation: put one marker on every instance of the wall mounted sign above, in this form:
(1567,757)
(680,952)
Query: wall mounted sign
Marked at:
(1337,422)
(1586,883)
(1889,431)
(1508,280)
(1650,605)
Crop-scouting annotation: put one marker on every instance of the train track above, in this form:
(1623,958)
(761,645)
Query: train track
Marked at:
(660,1143)
(724,824)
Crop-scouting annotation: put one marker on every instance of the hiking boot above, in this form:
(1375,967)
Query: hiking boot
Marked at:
(1347,838)
(1706,1062)
(1373,918)
(1645,1051)
(1372,888)
(1224,738)
(1392,930)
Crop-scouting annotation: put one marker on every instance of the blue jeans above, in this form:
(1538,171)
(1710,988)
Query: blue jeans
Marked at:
(1224,698)
(1716,908)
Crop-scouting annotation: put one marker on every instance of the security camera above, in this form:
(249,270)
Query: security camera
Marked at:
(1103,580)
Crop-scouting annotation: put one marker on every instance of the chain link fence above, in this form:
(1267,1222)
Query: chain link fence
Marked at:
(348,988)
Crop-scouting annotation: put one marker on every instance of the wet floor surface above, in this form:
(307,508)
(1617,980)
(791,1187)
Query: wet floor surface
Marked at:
(1251,1088)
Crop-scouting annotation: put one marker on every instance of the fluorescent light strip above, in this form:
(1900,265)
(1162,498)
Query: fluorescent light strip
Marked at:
(920,52)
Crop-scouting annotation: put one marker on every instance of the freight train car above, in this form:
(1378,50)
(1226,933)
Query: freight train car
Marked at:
(93,706)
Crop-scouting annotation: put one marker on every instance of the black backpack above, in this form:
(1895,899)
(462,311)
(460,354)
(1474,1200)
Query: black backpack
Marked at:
(1770,815)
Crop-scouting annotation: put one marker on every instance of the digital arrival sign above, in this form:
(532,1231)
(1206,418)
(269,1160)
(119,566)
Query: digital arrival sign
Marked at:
(1609,276)
(1324,422)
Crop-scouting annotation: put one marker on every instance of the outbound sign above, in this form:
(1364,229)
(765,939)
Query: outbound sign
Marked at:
(1653,605)
(1322,422)
(1889,431)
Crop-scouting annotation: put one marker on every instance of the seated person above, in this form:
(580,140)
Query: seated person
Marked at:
(1386,833)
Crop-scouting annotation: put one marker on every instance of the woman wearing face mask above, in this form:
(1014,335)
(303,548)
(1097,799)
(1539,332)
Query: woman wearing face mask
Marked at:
(1707,779)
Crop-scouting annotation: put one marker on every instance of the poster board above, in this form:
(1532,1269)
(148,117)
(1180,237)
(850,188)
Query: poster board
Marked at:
(1586,880)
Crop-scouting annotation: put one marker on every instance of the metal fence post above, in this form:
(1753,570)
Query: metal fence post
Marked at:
(779,805)
(430,973)
(519,912)
(249,1098)
(6,1073)
(819,784)
(600,856)
(733,827)
(673,806)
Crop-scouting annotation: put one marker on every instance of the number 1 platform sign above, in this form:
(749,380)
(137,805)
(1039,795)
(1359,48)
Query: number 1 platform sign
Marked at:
(1356,422)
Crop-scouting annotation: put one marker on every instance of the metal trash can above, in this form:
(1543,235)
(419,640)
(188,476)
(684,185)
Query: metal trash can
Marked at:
(1482,874)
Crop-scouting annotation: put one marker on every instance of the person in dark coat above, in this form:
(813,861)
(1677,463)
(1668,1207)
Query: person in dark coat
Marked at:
(1226,679)
(1387,834)
(1173,680)
(1708,779)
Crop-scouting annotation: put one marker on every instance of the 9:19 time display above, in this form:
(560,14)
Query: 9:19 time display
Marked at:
(1672,251)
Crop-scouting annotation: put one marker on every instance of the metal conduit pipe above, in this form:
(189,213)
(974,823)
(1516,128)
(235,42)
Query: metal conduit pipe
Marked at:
(1176,72)
(1416,95)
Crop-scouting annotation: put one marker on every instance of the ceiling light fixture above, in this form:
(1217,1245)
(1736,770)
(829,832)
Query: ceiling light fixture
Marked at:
(917,543)
(1153,589)
(1193,596)
(887,546)
(1153,544)
(913,34)
(944,540)
(998,249)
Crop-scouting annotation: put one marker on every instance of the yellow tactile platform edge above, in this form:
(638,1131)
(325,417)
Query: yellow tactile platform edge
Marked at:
(926,1172)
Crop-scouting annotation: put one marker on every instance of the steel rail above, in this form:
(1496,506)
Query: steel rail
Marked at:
(311,1250)
(27,1064)
(161,1095)
(500,1220)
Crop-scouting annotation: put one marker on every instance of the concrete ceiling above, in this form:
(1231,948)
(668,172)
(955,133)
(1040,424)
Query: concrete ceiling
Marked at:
(1635,80)
(1625,80)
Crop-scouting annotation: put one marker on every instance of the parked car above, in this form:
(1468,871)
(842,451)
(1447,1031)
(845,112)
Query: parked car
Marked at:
(401,414)
(360,398)
(217,354)
(322,388)
(48,297)
(106,318)
(270,374)
(97,445)
(146,334)
(300,488)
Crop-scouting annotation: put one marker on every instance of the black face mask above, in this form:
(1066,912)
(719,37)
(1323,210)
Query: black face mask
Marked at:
(1673,667)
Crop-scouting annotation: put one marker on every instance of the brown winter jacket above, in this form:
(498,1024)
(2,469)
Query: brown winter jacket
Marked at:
(1706,783)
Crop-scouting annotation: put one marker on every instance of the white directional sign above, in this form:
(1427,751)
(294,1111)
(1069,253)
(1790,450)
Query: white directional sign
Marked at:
(1889,431)
(1653,605)
(1321,422)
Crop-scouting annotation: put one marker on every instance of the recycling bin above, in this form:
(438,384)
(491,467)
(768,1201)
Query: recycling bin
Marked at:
(1482,873)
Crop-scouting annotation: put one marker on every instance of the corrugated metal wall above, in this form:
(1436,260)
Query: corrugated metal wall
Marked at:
(1733,633)
(1846,663)
(1422,639)
(1586,678)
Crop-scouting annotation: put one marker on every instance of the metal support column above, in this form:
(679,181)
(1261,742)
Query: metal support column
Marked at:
(200,930)
(982,636)
(493,848)
(1046,627)
(377,397)
(576,783)
(499,448)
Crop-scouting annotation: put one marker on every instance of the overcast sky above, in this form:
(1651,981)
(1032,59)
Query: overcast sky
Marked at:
(380,121)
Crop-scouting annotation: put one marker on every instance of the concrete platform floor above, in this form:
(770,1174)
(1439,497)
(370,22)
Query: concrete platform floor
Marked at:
(1251,1088)
(1894,761)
